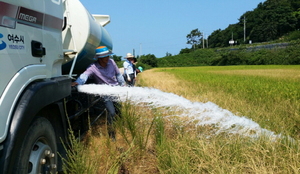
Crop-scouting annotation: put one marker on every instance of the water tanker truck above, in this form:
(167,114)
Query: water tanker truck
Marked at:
(43,46)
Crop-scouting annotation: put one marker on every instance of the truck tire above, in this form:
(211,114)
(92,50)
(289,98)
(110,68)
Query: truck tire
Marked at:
(38,153)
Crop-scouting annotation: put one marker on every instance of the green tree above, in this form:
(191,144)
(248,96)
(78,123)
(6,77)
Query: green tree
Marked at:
(216,38)
(268,21)
(272,19)
(194,38)
(168,54)
(185,50)
(148,59)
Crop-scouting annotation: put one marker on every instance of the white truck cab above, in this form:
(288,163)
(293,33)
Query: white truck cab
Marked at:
(42,43)
(31,49)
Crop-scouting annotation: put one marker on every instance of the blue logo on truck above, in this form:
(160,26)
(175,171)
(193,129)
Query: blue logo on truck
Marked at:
(3,44)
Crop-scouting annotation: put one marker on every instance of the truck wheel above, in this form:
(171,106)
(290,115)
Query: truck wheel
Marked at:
(38,153)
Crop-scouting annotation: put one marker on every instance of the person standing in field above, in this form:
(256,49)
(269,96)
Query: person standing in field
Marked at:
(136,70)
(140,69)
(129,72)
(104,71)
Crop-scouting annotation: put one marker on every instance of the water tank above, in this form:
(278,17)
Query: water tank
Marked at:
(82,33)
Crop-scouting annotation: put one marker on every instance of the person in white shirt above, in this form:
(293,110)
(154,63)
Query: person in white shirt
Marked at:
(129,71)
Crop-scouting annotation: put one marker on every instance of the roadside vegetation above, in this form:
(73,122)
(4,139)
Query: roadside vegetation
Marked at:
(151,140)
(238,55)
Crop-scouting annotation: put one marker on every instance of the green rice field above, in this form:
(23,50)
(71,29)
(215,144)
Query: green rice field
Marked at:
(268,94)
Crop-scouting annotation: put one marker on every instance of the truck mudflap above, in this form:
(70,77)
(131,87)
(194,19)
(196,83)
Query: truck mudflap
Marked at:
(37,96)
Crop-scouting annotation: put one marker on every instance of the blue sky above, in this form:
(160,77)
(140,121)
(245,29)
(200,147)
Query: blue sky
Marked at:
(160,26)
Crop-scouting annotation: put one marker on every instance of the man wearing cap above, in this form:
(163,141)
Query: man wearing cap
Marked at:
(103,71)
(129,72)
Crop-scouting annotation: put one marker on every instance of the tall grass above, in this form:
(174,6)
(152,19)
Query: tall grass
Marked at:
(149,142)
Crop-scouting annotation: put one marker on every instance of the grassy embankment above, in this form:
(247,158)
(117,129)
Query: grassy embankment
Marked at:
(149,142)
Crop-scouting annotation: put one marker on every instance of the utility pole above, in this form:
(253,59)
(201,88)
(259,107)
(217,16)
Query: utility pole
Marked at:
(231,42)
(203,40)
(244,29)
(207,42)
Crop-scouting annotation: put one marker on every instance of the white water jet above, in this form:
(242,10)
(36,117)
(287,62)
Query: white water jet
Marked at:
(206,113)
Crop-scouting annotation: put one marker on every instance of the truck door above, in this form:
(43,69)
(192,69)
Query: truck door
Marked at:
(20,24)
(52,38)
(30,48)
